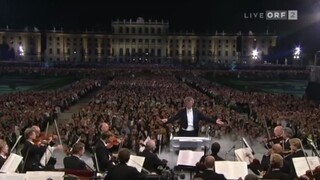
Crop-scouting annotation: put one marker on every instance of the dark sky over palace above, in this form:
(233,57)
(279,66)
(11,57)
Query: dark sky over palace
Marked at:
(200,16)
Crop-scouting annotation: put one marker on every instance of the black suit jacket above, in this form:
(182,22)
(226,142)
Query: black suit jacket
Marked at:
(32,155)
(151,161)
(2,160)
(200,165)
(103,156)
(288,159)
(124,172)
(277,174)
(286,145)
(209,175)
(197,117)
(73,162)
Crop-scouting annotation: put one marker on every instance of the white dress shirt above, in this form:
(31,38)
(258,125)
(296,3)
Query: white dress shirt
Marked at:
(190,120)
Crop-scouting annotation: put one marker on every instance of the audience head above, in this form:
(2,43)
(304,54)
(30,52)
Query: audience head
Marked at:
(215,148)
(251,177)
(3,147)
(78,149)
(276,161)
(188,102)
(278,131)
(209,162)
(124,155)
(151,145)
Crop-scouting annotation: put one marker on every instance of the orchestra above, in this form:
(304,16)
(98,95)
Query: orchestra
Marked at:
(276,163)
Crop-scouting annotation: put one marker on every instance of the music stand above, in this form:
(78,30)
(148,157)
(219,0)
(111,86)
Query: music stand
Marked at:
(243,143)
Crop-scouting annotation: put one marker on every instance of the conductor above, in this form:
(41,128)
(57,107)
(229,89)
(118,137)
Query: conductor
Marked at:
(189,118)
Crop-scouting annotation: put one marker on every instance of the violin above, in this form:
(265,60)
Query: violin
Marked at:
(311,174)
(44,139)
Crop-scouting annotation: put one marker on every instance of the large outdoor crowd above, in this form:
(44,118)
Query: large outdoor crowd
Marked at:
(135,101)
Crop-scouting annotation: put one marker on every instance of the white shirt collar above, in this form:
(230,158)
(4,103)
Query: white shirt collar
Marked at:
(76,156)
(31,142)
(4,157)
(104,142)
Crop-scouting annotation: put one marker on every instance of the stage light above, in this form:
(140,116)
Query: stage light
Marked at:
(255,54)
(21,51)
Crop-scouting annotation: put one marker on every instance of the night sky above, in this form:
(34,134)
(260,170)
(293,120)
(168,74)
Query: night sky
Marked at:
(199,16)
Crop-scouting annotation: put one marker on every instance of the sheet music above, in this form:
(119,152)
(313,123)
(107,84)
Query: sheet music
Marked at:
(13,176)
(301,166)
(46,156)
(231,169)
(44,175)
(243,154)
(11,164)
(188,157)
(144,142)
(136,161)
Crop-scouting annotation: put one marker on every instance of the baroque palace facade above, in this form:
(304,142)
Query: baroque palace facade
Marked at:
(138,41)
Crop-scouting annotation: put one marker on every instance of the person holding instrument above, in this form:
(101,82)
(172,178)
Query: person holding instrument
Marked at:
(32,152)
(103,151)
(189,119)
(3,152)
(122,170)
(152,162)
(74,162)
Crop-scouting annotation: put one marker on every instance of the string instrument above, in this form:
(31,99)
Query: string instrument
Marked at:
(313,174)
(44,139)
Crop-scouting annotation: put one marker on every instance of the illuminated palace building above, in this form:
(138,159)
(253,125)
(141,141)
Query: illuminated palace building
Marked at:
(139,41)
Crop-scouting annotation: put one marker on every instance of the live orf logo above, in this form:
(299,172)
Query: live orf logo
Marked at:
(292,15)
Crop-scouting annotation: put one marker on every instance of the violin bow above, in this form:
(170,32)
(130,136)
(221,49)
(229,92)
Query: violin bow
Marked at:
(55,123)
(47,128)
(304,154)
(268,133)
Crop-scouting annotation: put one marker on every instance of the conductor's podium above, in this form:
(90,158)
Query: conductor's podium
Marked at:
(178,143)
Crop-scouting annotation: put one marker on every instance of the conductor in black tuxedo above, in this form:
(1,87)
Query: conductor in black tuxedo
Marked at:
(74,162)
(189,118)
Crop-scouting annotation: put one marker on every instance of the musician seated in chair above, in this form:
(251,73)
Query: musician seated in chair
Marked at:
(209,173)
(287,135)
(296,151)
(276,162)
(215,148)
(74,162)
(32,152)
(152,162)
(103,152)
(122,170)
(3,152)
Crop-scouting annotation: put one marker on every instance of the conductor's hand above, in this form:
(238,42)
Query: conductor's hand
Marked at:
(164,120)
(219,121)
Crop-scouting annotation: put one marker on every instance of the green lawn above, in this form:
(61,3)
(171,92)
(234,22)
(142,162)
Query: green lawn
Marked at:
(15,83)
